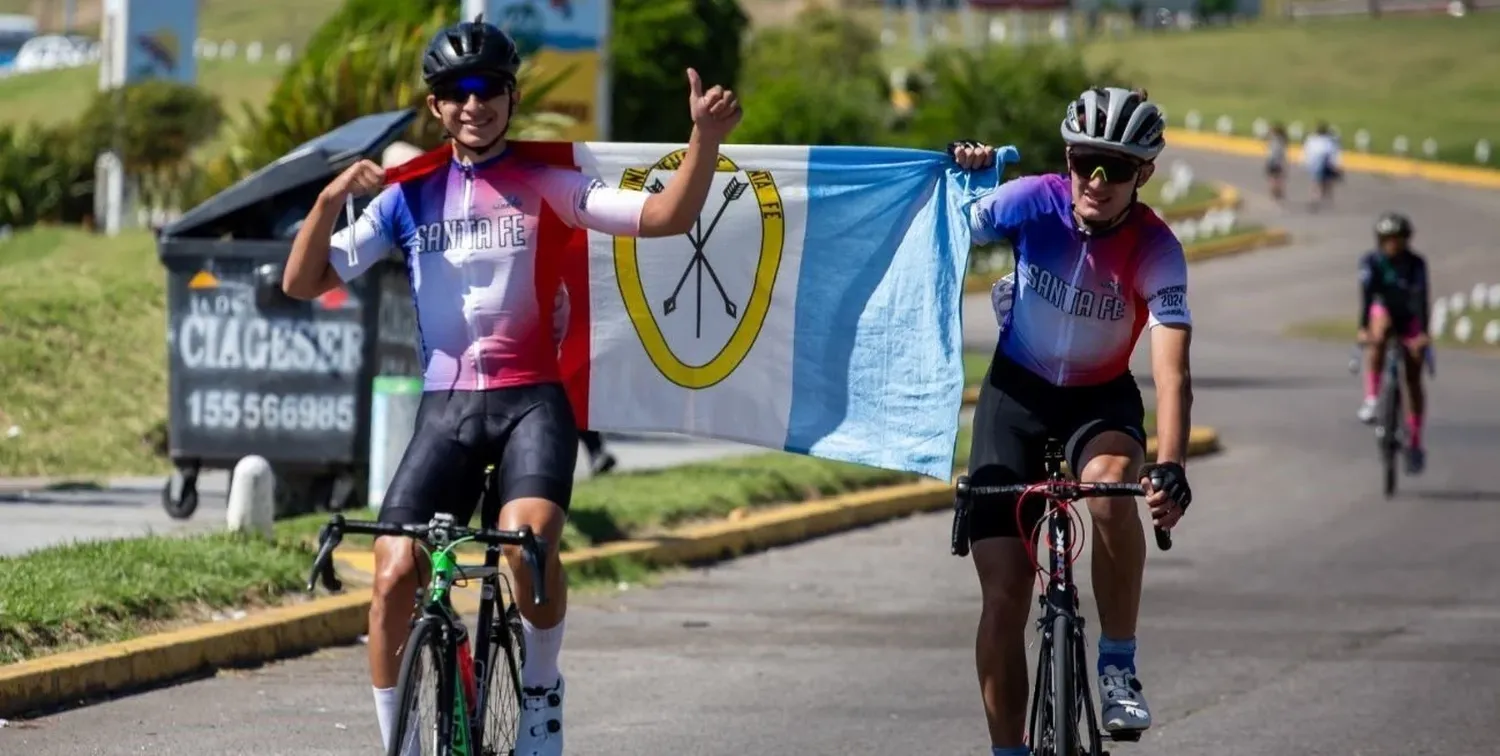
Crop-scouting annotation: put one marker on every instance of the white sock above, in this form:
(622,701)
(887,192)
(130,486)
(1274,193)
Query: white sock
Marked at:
(542,648)
(387,700)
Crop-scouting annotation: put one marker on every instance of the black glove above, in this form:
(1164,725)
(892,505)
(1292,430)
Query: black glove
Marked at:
(1171,478)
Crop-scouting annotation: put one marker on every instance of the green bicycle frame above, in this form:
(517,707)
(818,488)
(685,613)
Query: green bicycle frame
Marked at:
(438,601)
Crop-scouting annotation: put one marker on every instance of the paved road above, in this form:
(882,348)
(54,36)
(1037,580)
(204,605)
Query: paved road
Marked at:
(132,506)
(1300,613)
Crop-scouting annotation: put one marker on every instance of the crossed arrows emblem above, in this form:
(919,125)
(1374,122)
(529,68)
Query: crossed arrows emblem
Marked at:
(699,262)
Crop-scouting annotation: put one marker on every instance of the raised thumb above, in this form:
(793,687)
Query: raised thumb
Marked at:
(695,84)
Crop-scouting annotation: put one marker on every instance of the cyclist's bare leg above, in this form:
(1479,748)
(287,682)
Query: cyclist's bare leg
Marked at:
(1005,580)
(546,520)
(1119,554)
(397,577)
(1416,398)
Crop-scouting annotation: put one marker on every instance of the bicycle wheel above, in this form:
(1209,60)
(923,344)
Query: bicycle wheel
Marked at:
(502,706)
(1390,441)
(1063,697)
(424,721)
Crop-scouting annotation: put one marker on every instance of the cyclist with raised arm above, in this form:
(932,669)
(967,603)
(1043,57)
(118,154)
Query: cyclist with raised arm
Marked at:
(1094,267)
(473,234)
(1393,293)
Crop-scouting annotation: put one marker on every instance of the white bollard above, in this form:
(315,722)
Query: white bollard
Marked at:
(210,49)
(1400,145)
(1194,121)
(1362,140)
(252,497)
(1456,302)
(284,53)
(1429,147)
(1482,151)
(254,51)
(1495,296)
(1260,128)
(1188,231)
(1478,297)
(227,49)
(1492,332)
(1463,328)
(1294,131)
(1225,125)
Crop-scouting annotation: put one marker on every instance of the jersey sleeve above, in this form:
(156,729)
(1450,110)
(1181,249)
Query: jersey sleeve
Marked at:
(372,236)
(1162,280)
(583,201)
(1366,290)
(996,216)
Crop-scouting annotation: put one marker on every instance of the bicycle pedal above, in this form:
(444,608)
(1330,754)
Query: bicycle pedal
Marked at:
(1126,736)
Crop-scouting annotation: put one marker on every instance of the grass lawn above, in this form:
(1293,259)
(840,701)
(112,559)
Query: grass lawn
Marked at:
(1428,76)
(104,591)
(1417,76)
(60,96)
(1343,330)
(82,352)
(270,21)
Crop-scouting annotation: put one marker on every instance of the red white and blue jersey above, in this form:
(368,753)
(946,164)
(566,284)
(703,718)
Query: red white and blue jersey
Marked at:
(476,241)
(1081,302)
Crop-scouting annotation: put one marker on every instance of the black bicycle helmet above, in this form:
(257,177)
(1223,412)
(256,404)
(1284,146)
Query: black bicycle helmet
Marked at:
(470,47)
(1392,224)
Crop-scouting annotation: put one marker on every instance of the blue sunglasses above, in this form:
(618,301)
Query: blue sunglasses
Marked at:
(486,88)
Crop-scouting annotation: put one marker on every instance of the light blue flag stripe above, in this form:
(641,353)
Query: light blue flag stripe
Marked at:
(877,374)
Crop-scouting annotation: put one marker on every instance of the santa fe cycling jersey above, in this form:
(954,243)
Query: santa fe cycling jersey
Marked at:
(1080,301)
(476,240)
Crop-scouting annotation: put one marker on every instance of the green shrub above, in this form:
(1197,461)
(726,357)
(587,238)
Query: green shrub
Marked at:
(46,175)
(652,44)
(816,81)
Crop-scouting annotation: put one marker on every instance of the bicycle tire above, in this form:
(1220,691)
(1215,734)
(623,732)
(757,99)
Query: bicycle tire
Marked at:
(1064,689)
(426,636)
(503,688)
(1390,444)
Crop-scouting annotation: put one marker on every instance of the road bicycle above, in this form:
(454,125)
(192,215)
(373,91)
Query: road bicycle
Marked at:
(1390,435)
(455,701)
(1061,693)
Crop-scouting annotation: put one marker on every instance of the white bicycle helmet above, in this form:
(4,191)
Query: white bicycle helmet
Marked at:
(1117,120)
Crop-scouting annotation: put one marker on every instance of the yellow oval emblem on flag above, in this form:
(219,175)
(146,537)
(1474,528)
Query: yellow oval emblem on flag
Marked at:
(697,290)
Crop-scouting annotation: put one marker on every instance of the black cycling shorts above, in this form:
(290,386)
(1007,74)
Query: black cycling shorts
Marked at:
(1016,413)
(528,432)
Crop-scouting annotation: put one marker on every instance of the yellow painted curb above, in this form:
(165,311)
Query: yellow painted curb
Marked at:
(1228,244)
(112,668)
(1237,243)
(73,676)
(1486,178)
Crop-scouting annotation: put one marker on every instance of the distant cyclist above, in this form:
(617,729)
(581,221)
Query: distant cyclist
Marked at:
(473,232)
(1094,267)
(1394,294)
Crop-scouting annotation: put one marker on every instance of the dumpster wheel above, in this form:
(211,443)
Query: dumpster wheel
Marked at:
(184,503)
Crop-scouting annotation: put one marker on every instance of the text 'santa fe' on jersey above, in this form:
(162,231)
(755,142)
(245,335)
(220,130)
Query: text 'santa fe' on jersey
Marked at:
(475,239)
(1080,302)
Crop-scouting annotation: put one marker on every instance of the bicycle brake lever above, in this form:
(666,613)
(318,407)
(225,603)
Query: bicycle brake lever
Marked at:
(1163,539)
(535,550)
(329,537)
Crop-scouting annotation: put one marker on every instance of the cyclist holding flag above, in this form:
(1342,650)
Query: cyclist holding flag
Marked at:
(1094,268)
(473,226)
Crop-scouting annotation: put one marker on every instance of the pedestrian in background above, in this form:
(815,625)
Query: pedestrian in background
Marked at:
(1320,156)
(1276,142)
